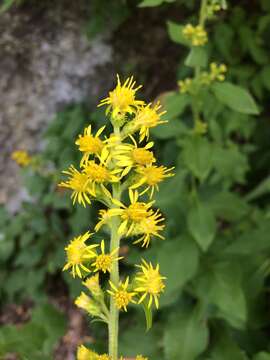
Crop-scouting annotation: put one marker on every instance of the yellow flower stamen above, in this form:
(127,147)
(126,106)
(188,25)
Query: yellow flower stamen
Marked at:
(122,100)
(149,228)
(148,117)
(103,262)
(151,176)
(89,144)
(78,253)
(79,183)
(150,283)
(121,295)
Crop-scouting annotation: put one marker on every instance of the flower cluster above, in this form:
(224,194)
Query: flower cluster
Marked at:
(195,34)
(21,157)
(120,171)
(83,353)
(206,78)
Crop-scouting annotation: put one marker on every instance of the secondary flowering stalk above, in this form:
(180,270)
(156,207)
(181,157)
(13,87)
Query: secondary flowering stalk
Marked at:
(110,167)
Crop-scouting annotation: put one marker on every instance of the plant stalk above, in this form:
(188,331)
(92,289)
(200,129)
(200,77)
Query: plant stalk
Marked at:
(114,276)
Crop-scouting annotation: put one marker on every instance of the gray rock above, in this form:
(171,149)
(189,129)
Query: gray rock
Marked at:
(44,66)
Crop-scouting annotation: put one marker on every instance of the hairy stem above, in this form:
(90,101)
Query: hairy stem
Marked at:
(114,277)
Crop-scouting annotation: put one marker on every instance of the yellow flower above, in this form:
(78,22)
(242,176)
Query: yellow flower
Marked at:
(103,357)
(79,183)
(92,284)
(122,297)
(217,71)
(78,253)
(131,215)
(21,157)
(99,174)
(89,305)
(150,283)
(195,34)
(85,354)
(89,144)
(151,176)
(104,218)
(130,155)
(149,227)
(148,117)
(103,262)
(122,99)
(140,357)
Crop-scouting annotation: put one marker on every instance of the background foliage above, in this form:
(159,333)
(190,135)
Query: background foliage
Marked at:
(216,256)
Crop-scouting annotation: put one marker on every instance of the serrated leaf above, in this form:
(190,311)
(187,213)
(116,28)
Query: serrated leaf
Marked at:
(235,97)
(202,225)
(186,336)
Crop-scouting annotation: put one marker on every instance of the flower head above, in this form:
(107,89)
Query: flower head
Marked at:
(130,155)
(195,34)
(89,305)
(131,215)
(150,283)
(78,253)
(103,262)
(122,100)
(89,144)
(85,354)
(149,228)
(79,183)
(148,117)
(21,157)
(122,297)
(151,176)
(99,174)
(92,284)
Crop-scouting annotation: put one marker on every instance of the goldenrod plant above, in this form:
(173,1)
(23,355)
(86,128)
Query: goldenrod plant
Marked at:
(120,171)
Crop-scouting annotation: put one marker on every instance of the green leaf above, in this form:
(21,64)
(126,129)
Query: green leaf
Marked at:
(151,3)
(174,103)
(176,33)
(226,348)
(235,97)
(221,286)
(262,189)
(262,356)
(178,260)
(197,57)
(198,156)
(202,225)
(186,336)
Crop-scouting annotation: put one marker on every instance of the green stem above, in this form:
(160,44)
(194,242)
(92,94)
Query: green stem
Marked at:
(114,276)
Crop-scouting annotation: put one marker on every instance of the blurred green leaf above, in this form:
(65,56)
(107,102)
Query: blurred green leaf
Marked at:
(262,356)
(198,156)
(202,225)
(186,336)
(176,33)
(179,260)
(235,97)
(197,57)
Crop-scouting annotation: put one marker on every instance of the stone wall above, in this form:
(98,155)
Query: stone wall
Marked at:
(46,63)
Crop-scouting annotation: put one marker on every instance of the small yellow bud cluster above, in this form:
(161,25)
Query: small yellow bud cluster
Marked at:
(212,8)
(217,73)
(83,353)
(195,34)
(21,157)
(185,85)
